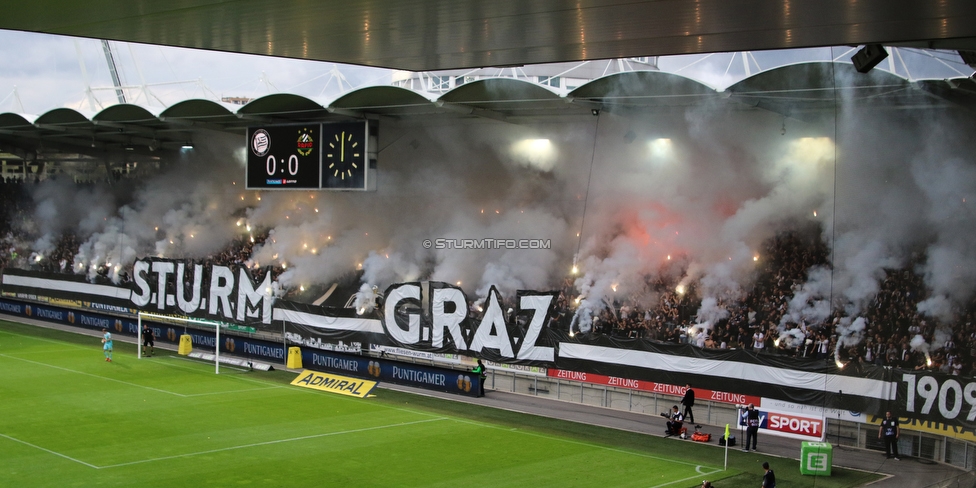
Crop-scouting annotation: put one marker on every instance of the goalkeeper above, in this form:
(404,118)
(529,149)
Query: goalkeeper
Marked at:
(147,340)
(107,344)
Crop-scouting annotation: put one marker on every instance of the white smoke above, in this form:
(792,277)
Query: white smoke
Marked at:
(918,344)
(688,200)
(811,304)
(366,298)
(383,269)
(937,306)
(849,333)
(711,312)
(792,338)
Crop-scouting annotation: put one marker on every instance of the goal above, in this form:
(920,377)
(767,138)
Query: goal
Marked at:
(169,318)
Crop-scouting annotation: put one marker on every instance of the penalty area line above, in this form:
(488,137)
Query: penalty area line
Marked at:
(69,458)
(267,443)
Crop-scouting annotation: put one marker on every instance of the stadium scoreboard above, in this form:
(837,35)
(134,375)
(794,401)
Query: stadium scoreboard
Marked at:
(284,157)
(334,156)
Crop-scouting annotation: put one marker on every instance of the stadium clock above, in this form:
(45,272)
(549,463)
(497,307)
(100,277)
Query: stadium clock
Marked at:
(344,155)
(283,157)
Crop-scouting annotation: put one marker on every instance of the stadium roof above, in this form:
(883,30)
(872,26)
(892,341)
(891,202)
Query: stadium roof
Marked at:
(421,35)
(801,90)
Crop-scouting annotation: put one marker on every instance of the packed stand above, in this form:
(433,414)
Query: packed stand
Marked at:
(895,334)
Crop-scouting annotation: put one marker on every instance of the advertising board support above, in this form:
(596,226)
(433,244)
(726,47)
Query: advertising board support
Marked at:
(294,358)
(186,345)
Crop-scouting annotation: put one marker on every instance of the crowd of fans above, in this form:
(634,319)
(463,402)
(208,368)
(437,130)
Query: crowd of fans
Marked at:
(18,232)
(16,204)
(894,334)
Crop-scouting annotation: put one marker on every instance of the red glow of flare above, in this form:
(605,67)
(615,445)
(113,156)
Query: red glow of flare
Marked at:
(648,227)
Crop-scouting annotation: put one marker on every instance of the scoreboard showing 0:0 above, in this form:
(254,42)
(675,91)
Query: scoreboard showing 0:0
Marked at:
(284,157)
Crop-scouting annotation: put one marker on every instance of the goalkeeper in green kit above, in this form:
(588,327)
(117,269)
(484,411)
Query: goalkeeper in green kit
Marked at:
(107,344)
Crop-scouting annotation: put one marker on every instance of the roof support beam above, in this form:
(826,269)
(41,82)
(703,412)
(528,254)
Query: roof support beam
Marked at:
(475,111)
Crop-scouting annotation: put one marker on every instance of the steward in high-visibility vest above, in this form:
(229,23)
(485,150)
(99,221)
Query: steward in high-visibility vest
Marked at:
(483,374)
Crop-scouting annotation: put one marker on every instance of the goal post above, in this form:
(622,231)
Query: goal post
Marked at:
(210,323)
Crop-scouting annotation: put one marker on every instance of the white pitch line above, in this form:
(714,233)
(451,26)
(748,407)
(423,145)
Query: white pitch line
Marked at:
(53,341)
(181,395)
(700,473)
(230,391)
(279,441)
(69,458)
(94,375)
(48,352)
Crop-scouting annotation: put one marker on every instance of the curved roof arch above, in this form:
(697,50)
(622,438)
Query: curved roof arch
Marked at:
(641,83)
(493,91)
(281,104)
(803,90)
(125,112)
(502,97)
(384,100)
(804,87)
(62,116)
(196,108)
(643,89)
(815,77)
(12,120)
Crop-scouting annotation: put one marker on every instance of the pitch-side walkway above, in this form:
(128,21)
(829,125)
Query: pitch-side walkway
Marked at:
(907,473)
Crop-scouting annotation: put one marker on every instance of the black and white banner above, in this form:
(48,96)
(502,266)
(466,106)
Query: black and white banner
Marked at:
(438,318)
(434,317)
(327,329)
(937,398)
(164,286)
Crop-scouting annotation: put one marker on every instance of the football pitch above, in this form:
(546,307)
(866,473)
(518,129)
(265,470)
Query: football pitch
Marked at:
(68,418)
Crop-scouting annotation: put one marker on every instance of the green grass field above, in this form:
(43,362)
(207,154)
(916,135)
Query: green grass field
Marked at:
(68,418)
